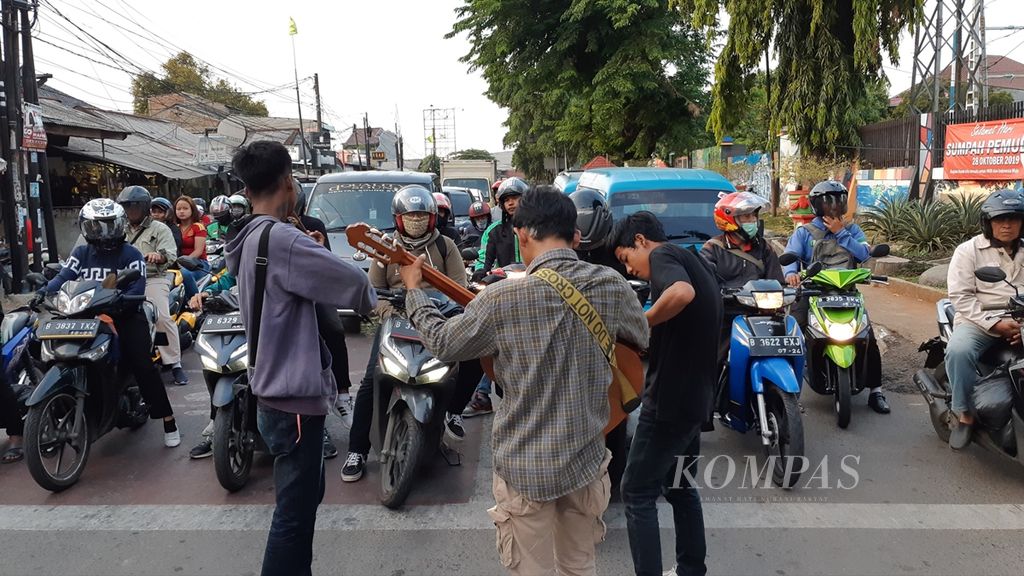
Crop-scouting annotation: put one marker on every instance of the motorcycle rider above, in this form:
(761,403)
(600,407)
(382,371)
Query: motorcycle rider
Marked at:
(160,210)
(219,211)
(445,221)
(498,244)
(155,241)
(415,212)
(975,331)
(829,239)
(480,216)
(103,224)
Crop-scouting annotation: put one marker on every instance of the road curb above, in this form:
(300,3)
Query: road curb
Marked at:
(914,290)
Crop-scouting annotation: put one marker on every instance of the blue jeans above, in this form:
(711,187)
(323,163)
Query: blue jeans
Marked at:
(188,278)
(484,386)
(650,473)
(296,442)
(966,345)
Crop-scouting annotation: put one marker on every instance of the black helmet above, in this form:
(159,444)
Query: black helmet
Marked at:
(511,187)
(135,195)
(413,198)
(593,218)
(220,210)
(102,223)
(300,197)
(829,194)
(1000,203)
(201,205)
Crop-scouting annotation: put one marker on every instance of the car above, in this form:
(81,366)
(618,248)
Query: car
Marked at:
(461,199)
(568,180)
(683,199)
(344,198)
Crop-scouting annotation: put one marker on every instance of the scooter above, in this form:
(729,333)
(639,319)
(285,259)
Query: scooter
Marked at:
(20,349)
(1000,428)
(84,394)
(411,390)
(759,388)
(838,332)
(223,351)
(183,317)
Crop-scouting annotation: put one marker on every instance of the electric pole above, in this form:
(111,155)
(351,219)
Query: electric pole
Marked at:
(39,199)
(319,121)
(366,137)
(16,215)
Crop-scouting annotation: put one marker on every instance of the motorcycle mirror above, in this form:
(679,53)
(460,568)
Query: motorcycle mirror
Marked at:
(470,253)
(990,274)
(788,258)
(813,269)
(880,251)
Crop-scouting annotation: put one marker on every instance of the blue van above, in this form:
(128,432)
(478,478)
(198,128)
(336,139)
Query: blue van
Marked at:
(683,199)
(567,180)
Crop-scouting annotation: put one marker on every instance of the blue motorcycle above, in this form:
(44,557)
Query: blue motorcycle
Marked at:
(760,385)
(19,349)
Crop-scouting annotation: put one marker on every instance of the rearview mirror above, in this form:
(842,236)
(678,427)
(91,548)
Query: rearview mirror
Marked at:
(470,253)
(990,274)
(813,269)
(788,258)
(880,251)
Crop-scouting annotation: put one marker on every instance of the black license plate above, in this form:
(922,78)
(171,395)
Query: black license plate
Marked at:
(402,329)
(68,329)
(230,323)
(776,346)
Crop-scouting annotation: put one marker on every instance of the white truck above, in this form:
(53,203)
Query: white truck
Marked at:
(476,174)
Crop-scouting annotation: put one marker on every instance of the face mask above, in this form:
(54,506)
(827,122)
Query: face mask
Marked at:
(480,223)
(750,228)
(415,225)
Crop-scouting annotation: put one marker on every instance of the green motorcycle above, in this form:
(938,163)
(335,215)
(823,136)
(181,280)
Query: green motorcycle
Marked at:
(838,332)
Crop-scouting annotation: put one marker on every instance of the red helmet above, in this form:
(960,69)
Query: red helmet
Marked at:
(478,209)
(737,204)
(497,183)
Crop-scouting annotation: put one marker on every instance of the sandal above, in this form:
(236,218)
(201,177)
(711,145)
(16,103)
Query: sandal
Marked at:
(12,455)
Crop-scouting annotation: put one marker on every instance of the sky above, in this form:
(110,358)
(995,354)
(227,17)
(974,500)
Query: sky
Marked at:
(387,58)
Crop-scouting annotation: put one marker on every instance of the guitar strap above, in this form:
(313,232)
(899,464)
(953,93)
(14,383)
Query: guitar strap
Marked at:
(587,314)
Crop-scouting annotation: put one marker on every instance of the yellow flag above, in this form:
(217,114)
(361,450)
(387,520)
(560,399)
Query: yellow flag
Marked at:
(292,29)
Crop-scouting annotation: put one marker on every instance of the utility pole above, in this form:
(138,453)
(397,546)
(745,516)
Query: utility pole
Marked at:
(366,137)
(298,103)
(319,120)
(39,199)
(11,148)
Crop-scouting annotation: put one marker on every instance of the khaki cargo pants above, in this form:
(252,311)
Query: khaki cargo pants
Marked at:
(555,537)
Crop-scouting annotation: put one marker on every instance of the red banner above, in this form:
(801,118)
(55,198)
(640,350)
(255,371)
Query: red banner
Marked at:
(985,150)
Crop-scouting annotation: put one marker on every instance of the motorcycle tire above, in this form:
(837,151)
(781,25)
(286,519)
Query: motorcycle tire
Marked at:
(407,448)
(784,410)
(37,424)
(843,387)
(184,335)
(232,459)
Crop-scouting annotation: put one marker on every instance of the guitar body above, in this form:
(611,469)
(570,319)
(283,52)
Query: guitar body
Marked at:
(632,367)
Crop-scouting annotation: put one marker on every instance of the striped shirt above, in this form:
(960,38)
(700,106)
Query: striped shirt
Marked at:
(547,431)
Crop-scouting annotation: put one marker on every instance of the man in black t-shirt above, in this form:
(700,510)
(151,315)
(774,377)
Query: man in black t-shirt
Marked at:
(685,320)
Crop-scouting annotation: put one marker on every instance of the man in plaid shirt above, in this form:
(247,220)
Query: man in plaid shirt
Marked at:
(551,481)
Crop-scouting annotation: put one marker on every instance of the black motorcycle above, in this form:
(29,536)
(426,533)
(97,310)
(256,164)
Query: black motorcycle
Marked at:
(84,394)
(998,397)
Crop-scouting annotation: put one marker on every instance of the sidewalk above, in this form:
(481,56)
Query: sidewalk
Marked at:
(910,317)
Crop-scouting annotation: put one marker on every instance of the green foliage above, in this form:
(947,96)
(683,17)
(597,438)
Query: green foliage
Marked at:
(617,77)
(925,228)
(965,215)
(809,170)
(886,220)
(430,164)
(828,54)
(183,73)
(999,98)
(472,154)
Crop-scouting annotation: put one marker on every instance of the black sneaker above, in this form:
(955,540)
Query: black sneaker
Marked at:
(330,451)
(878,403)
(353,468)
(454,428)
(202,450)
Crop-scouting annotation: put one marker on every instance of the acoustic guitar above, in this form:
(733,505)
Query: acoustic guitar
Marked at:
(627,373)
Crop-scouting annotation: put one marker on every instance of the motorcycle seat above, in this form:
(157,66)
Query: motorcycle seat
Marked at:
(995,356)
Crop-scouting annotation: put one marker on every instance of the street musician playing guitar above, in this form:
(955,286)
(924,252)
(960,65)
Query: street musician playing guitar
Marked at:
(552,337)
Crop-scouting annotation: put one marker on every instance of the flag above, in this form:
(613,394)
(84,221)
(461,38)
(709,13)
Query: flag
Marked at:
(292,29)
(430,138)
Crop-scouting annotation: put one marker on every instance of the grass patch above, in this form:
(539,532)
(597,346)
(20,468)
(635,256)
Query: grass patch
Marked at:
(781,225)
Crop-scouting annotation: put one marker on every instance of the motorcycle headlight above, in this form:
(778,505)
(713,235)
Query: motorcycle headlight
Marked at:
(390,366)
(434,371)
(769,300)
(68,305)
(842,331)
(239,359)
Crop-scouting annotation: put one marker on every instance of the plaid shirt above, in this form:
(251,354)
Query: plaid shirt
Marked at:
(547,432)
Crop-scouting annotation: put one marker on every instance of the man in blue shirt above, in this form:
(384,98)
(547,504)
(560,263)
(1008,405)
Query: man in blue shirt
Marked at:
(103,224)
(829,239)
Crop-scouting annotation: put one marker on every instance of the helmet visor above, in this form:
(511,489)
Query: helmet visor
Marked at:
(101,230)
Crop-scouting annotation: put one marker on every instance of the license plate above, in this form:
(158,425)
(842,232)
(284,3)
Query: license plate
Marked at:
(402,329)
(230,323)
(839,301)
(68,329)
(776,346)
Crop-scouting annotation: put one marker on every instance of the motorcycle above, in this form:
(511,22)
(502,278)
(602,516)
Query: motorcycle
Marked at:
(181,314)
(838,332)
(84,394)
(20,348)
(223,351)
(759,388)
(411,390)
(999,427)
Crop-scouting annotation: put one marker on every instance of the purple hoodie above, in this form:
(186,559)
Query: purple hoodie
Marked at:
(293,367)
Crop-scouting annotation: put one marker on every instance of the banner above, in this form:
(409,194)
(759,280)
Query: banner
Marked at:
(985,150)
(33,135)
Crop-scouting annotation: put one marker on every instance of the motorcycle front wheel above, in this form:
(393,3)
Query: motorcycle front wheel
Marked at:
(232,454)
(57,442)
(842,385)
(787,429)
(401,458)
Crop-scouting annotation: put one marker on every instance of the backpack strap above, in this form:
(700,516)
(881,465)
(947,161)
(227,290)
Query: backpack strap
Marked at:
(442,247)
(817,233)
(260,289)
(739,253)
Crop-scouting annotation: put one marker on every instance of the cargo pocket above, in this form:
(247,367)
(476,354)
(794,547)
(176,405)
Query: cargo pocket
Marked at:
(504,540)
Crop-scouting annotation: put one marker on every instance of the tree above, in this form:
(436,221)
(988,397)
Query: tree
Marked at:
(472,154)
(827,53)
(1000,98)
(615,77)
(430,164)
(183,73)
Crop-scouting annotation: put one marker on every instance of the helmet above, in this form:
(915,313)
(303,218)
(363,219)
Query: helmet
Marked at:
(738,204)
(496,185)
(443,202)
(201,205)
(477,211)
(220,210)
(103,222)
(413,198)
(135,195)
(1000,203)
(162,203)
(300,196)
(511,187)
(239,206)
(593,218)
(828,194)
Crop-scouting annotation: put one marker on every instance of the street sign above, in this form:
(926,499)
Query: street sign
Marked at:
(210,152)
(379,155)
(33,134)
(321,140)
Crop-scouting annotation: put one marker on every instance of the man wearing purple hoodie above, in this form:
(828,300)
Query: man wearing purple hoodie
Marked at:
(290,373)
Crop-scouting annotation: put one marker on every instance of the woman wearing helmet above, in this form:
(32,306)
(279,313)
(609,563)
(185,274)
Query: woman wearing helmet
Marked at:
(975,331)
(415,213)
(498,244)
(445,221)
(161,211)
(104,224)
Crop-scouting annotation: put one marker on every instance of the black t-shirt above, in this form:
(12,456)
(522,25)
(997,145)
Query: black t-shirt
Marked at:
(684,350)
(315,225)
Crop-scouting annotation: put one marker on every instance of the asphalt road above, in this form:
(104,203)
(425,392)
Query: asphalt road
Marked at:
(883,497)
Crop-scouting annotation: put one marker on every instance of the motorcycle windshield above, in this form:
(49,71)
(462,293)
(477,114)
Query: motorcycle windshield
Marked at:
(841,279)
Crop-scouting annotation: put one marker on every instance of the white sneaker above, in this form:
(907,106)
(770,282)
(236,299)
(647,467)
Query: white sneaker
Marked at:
(208,431)
(172,439)
(671,572)
(345,409)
